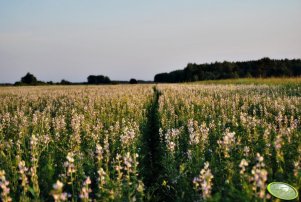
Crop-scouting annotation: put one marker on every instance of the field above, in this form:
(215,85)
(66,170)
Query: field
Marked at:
(168,142)
(257,81)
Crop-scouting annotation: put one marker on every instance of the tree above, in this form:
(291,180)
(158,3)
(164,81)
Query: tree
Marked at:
(29,79)
(162,77)
(133,81)
(264,67)
(65,82)
(91,79)
(100,79)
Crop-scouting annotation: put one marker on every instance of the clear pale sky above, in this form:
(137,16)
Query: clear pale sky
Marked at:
(123,39)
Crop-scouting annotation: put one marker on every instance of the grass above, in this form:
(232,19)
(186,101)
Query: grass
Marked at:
(256,81)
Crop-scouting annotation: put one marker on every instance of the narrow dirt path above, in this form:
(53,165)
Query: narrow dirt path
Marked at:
(153,170)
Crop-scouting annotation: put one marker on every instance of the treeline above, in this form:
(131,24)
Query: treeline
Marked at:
(30,79)
(264,67)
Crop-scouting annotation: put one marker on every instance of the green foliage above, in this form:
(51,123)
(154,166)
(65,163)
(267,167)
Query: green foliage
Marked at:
(133,81)
(29,79)
(100,79)
(235,133)
(262,68)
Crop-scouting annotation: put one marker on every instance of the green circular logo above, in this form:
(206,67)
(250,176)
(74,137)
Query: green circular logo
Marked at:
(282,191)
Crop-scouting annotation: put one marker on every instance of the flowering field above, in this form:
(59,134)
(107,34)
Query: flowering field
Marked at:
(182,142)
(73,143)
(226,142)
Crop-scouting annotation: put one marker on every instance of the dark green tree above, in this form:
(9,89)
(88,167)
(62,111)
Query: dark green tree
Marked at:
(65,82)
(100,79)
(264,67)
(29,79)
(133,81)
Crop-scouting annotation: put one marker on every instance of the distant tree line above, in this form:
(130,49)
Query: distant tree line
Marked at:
(264,67)
(30,79)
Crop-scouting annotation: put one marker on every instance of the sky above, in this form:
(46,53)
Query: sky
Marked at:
(123,39)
